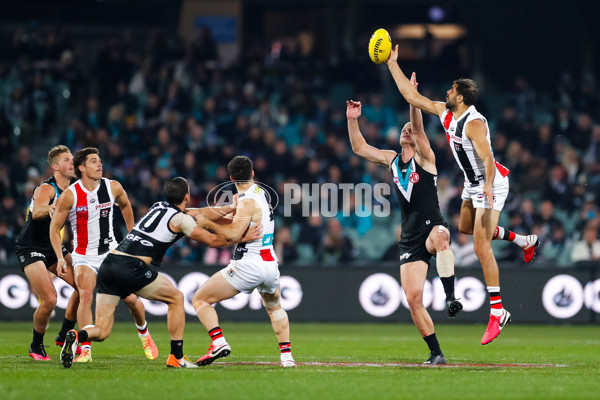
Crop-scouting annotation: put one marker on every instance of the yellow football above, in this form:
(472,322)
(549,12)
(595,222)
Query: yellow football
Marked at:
(380,46)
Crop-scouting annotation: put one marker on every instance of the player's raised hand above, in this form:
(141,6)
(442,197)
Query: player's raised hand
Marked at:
(413,80)
(393,56)
(353,109)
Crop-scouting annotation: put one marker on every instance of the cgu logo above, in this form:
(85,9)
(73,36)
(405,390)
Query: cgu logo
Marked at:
(136,238)
(81,209)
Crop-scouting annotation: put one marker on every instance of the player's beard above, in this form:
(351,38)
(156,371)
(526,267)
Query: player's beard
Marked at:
(450,105)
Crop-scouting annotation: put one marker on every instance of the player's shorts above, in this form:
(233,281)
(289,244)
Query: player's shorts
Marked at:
(475,193)
(122,275)
(415,248)
(251,273)
(92,262)
(29,255)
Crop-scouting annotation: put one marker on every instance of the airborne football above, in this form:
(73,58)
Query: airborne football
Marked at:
(380,46)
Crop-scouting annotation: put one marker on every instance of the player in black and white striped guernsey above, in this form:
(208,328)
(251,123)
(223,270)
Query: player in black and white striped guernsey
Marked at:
(486,181)
(125,270)
(88,203)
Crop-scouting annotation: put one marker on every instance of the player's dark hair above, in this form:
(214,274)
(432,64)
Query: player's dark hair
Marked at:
(81,156)
(468,89)
(176,189)
(55,152)
(240,168)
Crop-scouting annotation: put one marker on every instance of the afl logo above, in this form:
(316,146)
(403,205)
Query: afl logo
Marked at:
(413,177)
(81,209)
(396,180)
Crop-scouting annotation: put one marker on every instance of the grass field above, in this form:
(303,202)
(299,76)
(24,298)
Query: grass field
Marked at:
(554,363)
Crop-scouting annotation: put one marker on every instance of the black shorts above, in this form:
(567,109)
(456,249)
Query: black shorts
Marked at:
(415,248)
(122,275)
(29,255)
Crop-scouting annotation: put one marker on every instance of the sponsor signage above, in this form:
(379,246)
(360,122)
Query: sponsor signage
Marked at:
(360,294)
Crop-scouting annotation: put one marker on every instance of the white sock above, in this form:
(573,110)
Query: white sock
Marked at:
(220,341)
(504,234)
(520,240)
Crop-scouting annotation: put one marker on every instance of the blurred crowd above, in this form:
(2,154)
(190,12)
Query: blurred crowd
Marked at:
(157,108)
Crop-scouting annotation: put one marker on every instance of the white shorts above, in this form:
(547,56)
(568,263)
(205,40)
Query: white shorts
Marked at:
(252,273)
(475,193)
(92,262)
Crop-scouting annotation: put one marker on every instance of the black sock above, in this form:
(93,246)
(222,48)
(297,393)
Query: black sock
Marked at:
(82,336)
(433,344)
(177,348)
(67,325)
(38,338)
(448,283)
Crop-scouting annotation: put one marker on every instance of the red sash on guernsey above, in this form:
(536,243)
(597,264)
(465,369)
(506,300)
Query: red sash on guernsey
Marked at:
(266,255)
(501,168)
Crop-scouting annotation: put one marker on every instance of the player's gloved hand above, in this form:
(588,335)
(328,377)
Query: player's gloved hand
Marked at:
(253,233)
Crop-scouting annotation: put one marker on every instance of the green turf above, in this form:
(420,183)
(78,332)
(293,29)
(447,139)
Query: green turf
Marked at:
(120,371)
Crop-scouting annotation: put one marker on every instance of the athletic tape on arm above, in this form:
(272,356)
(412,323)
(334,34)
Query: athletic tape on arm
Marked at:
(187,223)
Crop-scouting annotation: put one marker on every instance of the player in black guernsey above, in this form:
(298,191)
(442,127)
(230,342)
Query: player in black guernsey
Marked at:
(127,270)
(35,254)
(424,231)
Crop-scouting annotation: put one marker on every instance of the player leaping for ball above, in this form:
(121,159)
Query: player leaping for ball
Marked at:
(486,181)
(424,231)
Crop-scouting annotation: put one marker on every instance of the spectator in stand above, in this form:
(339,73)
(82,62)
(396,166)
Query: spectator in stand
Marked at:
(557,247)
(463,250)
(7,243)
(312,233)
(587,249)
(336,247)
(580,136)
(284,247)
(393,252)
(544,147)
